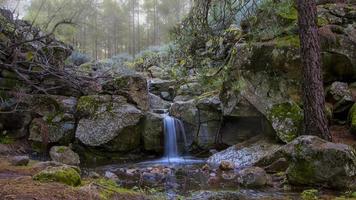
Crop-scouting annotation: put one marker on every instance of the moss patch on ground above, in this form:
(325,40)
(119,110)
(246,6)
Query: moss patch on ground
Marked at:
(66,175)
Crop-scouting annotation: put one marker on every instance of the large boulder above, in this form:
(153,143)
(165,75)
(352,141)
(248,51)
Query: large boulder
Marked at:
(243,156)
(314,161)
(109,122)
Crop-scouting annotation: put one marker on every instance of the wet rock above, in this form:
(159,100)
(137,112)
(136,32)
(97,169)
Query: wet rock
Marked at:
(253,177)
(64,155)
(214,181)
(226,165)
(20,160)
(63,174)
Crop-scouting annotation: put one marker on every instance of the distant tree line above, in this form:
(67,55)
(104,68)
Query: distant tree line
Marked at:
(104,28)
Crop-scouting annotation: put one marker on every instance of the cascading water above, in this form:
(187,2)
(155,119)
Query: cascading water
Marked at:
(175,139)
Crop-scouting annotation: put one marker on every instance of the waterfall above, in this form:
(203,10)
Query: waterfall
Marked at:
(174,137)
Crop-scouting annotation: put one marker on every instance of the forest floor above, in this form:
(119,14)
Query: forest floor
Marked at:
(16,183)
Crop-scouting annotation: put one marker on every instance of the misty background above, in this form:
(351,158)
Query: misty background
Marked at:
(105,28)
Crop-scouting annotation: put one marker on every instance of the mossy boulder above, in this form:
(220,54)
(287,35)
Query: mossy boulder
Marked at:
(286,120)
(64,174)
(109,122)
(316,162)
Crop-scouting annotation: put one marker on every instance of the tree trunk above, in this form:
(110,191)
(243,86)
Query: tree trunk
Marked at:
(315,121)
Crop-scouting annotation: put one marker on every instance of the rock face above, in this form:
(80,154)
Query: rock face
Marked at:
(109,122)
(245,156)
(153,133)
(267,74)
(133,87)
(202,119)
(57,124)
(65,155)
(313,161)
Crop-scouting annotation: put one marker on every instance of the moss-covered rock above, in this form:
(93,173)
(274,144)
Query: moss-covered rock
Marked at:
(313,162)
(311,194)
(352,119)
(109,122)
(64,174)
(286,119)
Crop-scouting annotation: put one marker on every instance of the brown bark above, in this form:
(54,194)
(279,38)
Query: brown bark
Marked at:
(313,92)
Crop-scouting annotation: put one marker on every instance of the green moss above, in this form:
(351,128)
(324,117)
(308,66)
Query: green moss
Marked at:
(109,188)
(6,140)
(88,105)
(286,119)
(352,119)
(301,172)
(287,10)
(322,21)
(311,194)
(288,41)
(61,149)
(66,175)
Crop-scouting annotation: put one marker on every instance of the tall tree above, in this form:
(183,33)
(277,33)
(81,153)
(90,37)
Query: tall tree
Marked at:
(313,94)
